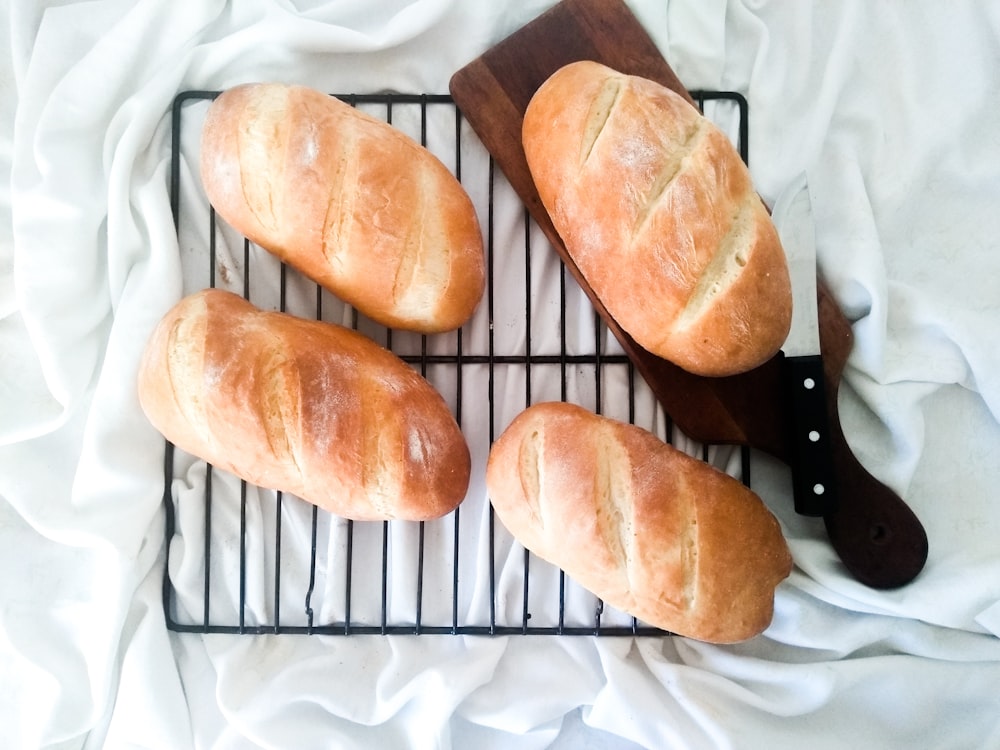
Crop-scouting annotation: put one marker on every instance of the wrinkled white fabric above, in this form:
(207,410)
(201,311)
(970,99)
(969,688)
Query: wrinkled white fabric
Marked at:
(891,114)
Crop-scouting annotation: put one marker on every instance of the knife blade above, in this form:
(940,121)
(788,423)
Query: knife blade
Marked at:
(811,460)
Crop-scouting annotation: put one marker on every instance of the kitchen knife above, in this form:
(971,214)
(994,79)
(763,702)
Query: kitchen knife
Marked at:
(813,478)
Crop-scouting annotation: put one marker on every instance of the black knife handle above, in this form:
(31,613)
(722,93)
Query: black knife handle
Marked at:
(813,477)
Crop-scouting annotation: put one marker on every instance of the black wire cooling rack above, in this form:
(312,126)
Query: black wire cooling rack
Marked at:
(246,560)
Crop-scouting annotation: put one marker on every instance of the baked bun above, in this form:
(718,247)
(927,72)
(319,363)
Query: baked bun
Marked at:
(653,532)
(658,212)
(351,202)
(303,406)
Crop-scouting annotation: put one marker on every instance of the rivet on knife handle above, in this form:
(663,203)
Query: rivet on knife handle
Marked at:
(813,476)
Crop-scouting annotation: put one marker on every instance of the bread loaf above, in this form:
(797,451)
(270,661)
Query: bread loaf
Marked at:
(307,407)
(653,532)
(658,212)
(349,201)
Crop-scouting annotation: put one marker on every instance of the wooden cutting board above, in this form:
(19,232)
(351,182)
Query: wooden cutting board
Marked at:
(878,538)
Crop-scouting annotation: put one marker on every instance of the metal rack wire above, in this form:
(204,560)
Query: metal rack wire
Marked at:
(239,558)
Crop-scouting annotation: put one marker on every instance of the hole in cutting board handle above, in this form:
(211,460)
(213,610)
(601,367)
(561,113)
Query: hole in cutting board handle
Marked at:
(879,533)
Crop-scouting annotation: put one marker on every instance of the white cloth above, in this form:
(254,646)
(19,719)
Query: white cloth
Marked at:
(892,115)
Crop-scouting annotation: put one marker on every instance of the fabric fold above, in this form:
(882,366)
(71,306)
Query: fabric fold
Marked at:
(890,116)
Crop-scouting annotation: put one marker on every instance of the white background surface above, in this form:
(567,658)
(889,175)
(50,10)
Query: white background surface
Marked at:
(891,111)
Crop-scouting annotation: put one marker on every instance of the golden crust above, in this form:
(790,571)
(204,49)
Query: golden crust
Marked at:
(650,530)
(306,407)
(658,211)
(351,202)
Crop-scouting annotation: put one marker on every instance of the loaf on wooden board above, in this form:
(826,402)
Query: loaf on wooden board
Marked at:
(652,531)
(350,201)
(303,406)
(658,212)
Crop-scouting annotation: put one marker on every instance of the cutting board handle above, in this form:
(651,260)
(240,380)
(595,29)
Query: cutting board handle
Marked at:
(878,538)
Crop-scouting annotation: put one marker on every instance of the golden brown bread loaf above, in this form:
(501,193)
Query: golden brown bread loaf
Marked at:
(655,533)
(658,212)
(302,406)
(351,202)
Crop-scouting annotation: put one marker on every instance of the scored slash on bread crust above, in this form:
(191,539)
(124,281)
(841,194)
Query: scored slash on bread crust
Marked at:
(659,213)
(652,531)
(303,406)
